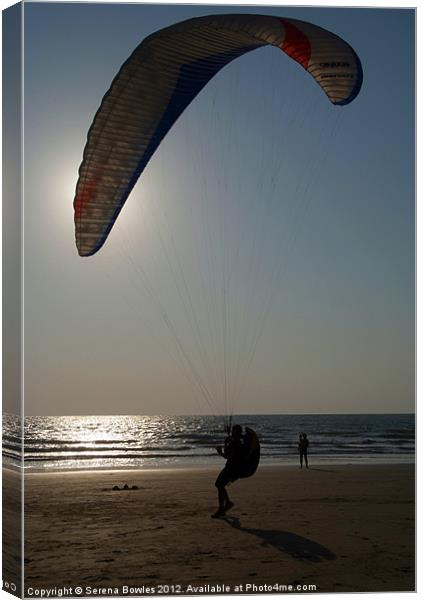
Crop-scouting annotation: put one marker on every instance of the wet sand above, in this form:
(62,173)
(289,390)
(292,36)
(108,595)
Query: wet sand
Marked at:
(340,528)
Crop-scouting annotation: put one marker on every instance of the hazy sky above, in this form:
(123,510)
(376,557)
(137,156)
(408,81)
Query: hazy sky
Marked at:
(260,171)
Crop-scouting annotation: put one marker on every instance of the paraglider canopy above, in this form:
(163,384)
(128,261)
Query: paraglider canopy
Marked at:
(162,77)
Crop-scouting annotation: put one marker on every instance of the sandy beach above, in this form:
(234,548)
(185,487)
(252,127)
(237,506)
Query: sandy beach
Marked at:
(339,528)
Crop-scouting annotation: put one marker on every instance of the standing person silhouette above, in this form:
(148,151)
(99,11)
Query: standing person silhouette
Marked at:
(303,449)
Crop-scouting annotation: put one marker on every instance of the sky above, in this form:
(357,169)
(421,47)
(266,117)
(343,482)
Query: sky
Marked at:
(267,252)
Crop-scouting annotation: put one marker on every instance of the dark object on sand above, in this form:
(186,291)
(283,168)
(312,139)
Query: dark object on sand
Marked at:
(125,487)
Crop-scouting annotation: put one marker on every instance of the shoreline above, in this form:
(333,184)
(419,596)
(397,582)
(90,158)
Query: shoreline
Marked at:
(364,462)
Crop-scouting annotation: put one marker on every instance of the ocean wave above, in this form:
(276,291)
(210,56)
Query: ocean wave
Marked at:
(190,440)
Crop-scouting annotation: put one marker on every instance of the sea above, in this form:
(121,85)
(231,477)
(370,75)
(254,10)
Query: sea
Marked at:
(60,443)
